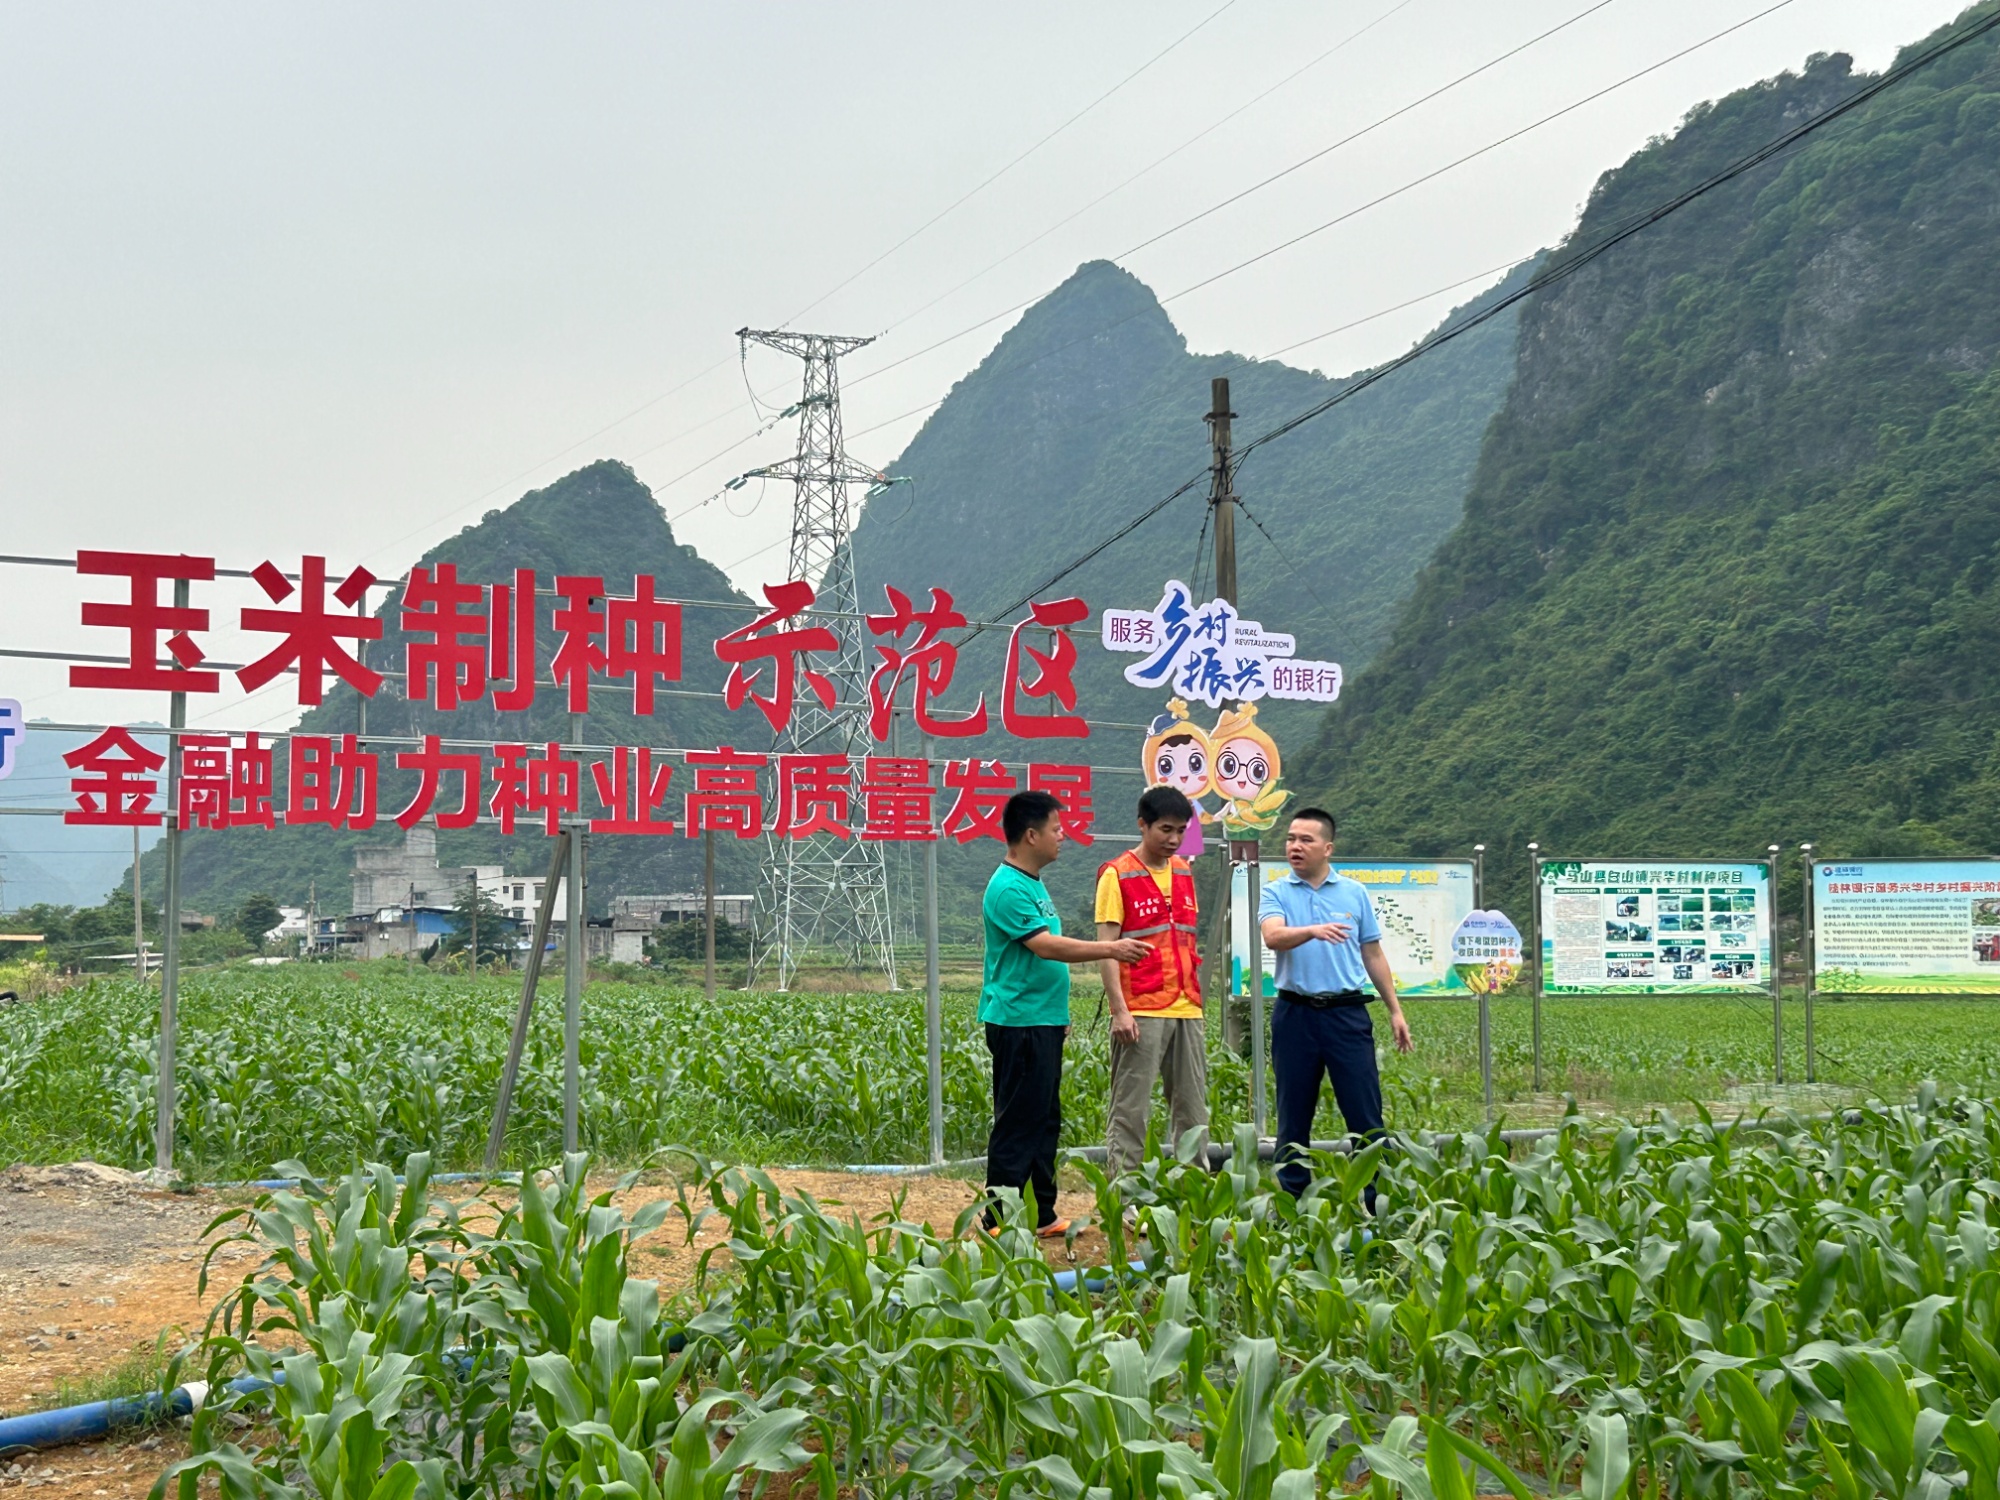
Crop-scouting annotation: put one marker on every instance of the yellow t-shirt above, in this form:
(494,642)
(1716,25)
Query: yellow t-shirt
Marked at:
(1111,908)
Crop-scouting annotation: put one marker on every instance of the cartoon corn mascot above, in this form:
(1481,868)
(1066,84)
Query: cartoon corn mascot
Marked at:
(1177,755)
(1246,773)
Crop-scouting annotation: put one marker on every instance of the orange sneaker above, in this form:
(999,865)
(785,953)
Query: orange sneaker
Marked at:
(1053,1230)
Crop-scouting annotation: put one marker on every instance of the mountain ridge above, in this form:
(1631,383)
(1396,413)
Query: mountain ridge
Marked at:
(1723,517)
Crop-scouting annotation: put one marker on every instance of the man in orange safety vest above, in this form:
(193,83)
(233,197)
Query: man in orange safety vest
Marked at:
(1156,1015)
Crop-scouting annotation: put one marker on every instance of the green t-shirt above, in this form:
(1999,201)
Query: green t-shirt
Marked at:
(1021,988)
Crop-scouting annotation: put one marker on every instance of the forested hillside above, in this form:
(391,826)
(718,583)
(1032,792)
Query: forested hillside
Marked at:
(1725,575)
(1090,409)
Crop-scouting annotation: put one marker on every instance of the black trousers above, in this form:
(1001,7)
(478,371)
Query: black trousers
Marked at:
(1307,1044)
(1027,1112)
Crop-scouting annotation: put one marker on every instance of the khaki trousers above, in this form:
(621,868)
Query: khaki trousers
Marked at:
(1173,1051)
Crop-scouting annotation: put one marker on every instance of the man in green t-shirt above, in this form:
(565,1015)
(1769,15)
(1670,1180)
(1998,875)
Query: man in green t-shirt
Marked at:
(1024,1001)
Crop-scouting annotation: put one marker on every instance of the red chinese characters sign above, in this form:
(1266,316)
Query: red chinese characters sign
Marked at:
(468,643)
(334,780)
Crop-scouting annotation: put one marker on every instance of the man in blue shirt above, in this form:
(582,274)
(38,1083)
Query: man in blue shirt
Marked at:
(1322,928)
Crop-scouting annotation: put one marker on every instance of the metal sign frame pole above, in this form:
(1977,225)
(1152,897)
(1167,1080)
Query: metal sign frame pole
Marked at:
(1777,972)
(1485,997)
(166,1086)
(1807,952)
(138,912)
(1254,977)
(1535,950)
(531,975)
(708,913)
(933,999)
(573,941)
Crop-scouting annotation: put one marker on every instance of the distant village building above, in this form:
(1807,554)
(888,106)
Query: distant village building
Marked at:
(735,910)
(404,900)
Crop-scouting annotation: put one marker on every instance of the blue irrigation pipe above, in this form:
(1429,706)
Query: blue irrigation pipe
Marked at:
(292,1182)
(96,1419)
(1066,1281)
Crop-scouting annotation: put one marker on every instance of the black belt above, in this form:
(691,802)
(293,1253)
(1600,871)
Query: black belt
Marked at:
(1338,1000)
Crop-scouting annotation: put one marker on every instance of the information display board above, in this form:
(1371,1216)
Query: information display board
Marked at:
(1654,927)
(1418,902)
(1906,926)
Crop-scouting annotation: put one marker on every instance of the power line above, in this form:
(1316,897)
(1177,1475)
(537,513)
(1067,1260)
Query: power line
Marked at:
(1562,270)
(757,398)
(1550,276)
(1321,602)
(1235,197)
(1414,104)
(643,406)
(1474,155)
(1372,126)
(1351,213)
(654,401)
(1216,207)
(1117,536)
(965,198)
(1250,359)
(1158,161)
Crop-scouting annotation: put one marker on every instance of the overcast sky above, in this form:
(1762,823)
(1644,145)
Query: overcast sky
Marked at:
(287,278)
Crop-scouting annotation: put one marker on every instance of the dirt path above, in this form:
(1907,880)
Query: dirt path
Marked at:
(95,1271)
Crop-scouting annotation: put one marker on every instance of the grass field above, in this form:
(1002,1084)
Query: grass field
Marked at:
(331,1066)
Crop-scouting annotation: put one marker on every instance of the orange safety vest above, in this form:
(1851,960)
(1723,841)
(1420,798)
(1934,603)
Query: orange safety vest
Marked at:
(1166,923)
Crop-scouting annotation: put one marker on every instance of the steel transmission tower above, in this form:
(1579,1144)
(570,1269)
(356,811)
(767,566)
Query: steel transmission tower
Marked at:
(823,891)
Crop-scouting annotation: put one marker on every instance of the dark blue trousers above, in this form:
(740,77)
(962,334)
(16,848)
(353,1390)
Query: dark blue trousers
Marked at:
(1306,1044)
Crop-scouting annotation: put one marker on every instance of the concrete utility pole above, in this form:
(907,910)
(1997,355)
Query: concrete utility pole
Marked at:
(475,923)
(1222,487)
(1222,504)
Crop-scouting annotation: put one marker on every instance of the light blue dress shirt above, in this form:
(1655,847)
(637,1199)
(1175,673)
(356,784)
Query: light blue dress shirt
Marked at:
(1315,967)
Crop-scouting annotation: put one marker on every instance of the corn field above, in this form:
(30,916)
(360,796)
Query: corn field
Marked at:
(335,1066)
(1703,1310)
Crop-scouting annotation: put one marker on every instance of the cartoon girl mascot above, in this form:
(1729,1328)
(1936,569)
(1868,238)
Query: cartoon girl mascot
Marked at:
(1246,773)
(1177,755)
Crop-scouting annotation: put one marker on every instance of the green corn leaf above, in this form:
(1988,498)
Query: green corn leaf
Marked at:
(1881,1411)
(1762,1430)
(1607,1461)
(1440,1436)
(1448,1478)
(1977,1446)
(1846,1485)
(399,1483)
(1922,1334)
(1398,1468)
(765,1443)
